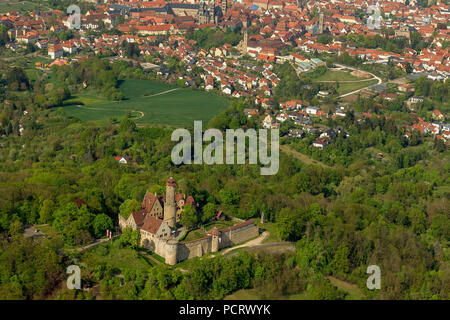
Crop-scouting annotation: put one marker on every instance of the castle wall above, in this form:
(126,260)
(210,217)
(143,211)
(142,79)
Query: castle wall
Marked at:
(234,236)
(228,238)
(195,248)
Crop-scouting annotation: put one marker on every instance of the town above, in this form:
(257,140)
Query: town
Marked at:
(151,33)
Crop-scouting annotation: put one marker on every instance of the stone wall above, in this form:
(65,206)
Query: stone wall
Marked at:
(228,237)
(194,248)
(237,234)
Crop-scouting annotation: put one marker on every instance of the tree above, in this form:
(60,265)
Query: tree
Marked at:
(130,237)
(102,223)
(17,79)
(188,217)
(291,224)
(209,211)
(129,206)
(46,212)
(127,125)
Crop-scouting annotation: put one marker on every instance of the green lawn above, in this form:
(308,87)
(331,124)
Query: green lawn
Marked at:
(121,258)
(199,233)
(345,87)
(151,103)
(337,75)
(194,235)
(23,6)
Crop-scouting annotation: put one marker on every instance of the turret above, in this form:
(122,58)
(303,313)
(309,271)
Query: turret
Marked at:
(215,234)
(171,252)
(169,204)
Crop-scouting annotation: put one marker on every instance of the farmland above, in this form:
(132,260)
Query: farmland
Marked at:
(149,102)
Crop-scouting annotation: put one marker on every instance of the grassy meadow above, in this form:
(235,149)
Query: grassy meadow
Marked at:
(149,102)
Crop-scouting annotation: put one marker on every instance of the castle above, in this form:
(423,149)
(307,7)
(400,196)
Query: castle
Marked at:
(157,222)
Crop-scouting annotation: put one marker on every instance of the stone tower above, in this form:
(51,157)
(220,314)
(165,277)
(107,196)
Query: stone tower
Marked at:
(171,252)
(245,42)
(203,14)
(215,233)
(321,23)
(169,204)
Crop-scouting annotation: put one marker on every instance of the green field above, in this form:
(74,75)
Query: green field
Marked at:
(23,6)
(345,87)
(337,75)
(150,103)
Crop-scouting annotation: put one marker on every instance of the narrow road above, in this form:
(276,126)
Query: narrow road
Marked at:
(97,242)
(251,243)
(356,91)
(164,92)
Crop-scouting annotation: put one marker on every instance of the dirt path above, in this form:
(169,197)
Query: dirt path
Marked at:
(356,91)
(151,258)
(346,81)
(350,288)
(251,243)
(164,92)
(97,242)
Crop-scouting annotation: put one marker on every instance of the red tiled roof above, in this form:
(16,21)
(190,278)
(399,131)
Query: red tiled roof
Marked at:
(80,202)
(151,224)
(138,217)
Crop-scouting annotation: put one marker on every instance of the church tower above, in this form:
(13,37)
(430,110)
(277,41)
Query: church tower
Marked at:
(321,23)
(245,42)
(169,204)
(224,7)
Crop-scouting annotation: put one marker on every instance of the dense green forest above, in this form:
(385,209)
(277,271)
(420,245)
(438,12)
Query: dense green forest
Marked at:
(345,217)
(345,212)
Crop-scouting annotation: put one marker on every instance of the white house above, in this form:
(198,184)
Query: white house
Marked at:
(312,110)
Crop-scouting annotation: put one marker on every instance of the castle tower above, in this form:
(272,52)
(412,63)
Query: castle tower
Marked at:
(321,23)
(169,204)
(215,233)
(171,252)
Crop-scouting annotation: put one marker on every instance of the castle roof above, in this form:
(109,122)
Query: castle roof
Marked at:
(150,199)
(151,224)
(214,232)
(240,225)
(139,217)
(171,182)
